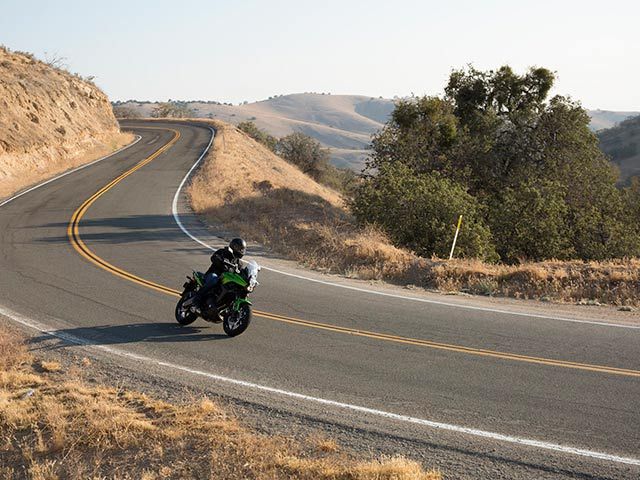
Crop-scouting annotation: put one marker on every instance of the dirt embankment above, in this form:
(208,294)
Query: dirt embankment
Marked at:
(50,121)
(257,194)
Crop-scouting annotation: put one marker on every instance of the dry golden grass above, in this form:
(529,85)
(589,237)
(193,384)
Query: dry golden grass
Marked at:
(51,121)
(54,426)
(614,282)
(50,367)
(254,193)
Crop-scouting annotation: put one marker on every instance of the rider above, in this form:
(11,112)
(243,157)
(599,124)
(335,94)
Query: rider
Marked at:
(222,260)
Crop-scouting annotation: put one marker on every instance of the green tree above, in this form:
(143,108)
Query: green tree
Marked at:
(532,164)
(422,133)
(304,152)
(632,200)
(122,111)
(499,111)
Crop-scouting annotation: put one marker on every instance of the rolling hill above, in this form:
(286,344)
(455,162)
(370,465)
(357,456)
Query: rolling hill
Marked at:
(622,144)
(344,123)
(603,119)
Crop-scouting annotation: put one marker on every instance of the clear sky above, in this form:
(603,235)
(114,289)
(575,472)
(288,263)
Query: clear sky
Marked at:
(249,50)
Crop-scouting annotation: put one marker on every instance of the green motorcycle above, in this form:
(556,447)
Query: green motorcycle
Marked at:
(227,303)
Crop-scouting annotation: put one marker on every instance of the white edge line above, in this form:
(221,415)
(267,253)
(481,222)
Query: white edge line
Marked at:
(69,172)
(25,321)
(176,216)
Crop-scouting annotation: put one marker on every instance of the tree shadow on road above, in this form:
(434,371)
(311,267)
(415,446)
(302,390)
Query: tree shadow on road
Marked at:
(137,229)
(121,230)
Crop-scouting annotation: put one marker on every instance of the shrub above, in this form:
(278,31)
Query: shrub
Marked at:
(172,109)
(257,134)
(313,159)
(420,211)
(529,222)
(121,111)
(304,152)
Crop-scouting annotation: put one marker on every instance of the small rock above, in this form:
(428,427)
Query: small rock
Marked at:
(410,286)
(626,308)
(545,299)
(29,393)
(589,301)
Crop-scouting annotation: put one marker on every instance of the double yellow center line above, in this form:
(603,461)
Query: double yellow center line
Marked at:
(75,239)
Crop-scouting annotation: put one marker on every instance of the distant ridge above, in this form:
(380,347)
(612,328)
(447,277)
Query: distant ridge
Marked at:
(344,123)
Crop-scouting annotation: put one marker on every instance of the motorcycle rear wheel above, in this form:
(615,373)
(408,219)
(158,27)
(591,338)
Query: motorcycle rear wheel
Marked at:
(236,323)
(184,316)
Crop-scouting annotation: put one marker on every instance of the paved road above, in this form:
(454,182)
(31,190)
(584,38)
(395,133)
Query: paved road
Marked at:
(131,226)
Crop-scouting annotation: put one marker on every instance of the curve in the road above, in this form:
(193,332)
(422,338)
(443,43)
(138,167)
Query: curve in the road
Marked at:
(76,240)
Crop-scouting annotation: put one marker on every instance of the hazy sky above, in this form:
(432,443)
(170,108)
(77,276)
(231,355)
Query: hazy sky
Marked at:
(249,50)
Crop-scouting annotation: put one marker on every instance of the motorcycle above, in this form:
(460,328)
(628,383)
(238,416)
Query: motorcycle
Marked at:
(227,303)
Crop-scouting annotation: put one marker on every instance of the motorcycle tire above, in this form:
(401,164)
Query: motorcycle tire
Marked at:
(237,322)
(185,317)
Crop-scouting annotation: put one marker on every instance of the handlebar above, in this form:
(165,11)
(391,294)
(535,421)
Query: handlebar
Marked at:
(230,265)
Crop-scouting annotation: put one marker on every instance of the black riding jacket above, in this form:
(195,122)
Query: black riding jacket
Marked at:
(218,259)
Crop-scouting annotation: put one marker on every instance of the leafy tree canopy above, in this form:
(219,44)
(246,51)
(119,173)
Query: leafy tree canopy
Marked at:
(531,164)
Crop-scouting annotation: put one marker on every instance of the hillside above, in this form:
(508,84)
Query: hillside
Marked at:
(344,123)
(51,120)
(602,119)
(622,144)
(274,204)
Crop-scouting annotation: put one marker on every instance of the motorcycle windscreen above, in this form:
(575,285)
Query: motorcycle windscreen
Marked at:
(252,273)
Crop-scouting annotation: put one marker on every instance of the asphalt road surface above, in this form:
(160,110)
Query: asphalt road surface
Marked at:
(412,369)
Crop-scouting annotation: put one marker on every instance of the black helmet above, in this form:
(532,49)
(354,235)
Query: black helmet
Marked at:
(238,246)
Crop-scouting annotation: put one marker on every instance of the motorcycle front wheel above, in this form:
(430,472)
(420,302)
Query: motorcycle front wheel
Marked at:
(185,316)
(236,322)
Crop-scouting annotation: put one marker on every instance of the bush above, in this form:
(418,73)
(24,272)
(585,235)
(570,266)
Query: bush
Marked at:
(313,159)
(257,134)
(529,222)
(121,111)
(304,152)
(420,212)
(172,110)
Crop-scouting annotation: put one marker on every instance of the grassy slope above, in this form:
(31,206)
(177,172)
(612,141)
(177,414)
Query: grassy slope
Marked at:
(601,119)
(622,144)
(51,121)
(257,194)
(54,425)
